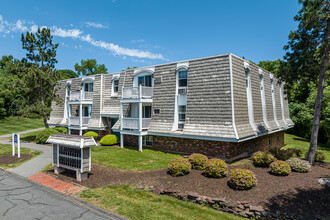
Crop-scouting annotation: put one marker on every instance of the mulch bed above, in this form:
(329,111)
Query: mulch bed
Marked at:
(298,193)
(9,159)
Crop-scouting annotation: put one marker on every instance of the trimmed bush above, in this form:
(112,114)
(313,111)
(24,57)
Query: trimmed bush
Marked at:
(280,168)
(262,159)
(284,155)
(319,156)
(242,179)
(61,130)
(109,139)
(299,165)
(215,168)
(197,161)
(91,134)
(179,167)
(43,135)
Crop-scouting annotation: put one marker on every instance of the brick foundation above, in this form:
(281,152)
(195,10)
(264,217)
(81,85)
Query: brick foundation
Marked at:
(219,149)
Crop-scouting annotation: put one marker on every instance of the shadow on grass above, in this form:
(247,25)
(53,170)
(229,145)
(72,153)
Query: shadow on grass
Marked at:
(303,203)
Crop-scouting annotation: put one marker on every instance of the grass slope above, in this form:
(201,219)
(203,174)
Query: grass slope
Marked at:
(139,204)
(129,158)
(292,141)
(13,124)
(7,149)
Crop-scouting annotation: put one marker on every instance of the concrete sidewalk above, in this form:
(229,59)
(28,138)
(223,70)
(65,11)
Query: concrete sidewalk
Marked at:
(22,132)
(35,165)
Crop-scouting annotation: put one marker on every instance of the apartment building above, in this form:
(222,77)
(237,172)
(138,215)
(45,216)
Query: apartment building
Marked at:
(222,106)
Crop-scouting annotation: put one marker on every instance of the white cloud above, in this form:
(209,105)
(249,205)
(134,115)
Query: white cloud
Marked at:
(95,25)
(74,33)
(23,26)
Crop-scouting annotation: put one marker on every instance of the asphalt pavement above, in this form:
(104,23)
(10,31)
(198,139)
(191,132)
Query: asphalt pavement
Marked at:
(21,198)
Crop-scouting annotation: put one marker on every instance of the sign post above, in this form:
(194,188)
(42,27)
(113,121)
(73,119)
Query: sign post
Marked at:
(16,140)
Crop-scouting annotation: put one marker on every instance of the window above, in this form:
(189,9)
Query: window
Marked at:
(146,111)
(85,111)
(183,74)
(273,98)
(156,111)
(182,113)
(249,97)
(147,140)
(68,88)
(115,87)
(145,81)
(88,87)
(278,138)
(269,140)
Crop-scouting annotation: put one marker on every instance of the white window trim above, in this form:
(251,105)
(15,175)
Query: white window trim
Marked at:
(273,98)
(249,98)
(282,101)
(263,98)
(113,93)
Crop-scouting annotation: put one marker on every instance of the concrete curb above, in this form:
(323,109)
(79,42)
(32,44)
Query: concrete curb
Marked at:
(68,197)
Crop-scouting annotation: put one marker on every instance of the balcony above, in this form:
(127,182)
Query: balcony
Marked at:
(133,123)
(137,92)
(75,121)
(81,96)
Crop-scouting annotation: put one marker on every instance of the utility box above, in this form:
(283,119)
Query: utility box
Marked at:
(72,152)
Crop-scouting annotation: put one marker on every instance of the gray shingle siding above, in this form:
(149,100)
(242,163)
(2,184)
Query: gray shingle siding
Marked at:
(269,101)
(95,115)
(209,98)
(242,123)
(57,112)
(164,99)
(111,104)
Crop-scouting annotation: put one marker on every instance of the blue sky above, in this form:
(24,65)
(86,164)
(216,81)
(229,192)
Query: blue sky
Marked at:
(127,33)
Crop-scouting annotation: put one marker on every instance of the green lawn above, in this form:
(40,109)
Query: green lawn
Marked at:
(129,158)
(292,141)
(16,124)
(7,149)
(139,204)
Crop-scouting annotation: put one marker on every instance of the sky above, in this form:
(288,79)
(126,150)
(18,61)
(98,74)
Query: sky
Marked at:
(127,33)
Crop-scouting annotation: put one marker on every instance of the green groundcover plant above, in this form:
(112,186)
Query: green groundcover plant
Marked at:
(197,161)
(280,168)
(319,156)
(179,167)
(242,179)
(43,135)
(91,134)
(299,165)
(215,168)
(262,159)
(108,140)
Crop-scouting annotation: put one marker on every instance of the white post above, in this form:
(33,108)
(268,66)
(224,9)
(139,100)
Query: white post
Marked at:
(80,115)
(80,132)
(121,116)
(69,131)
(13,143)
(121,140)
(18,146)
(58,155)
(140,116)
(140,92)
(140,143)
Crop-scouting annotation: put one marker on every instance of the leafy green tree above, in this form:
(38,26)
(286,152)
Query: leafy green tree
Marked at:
(271,66)
(130,68)
(67,74)
(308,55)
(40,78)
(90,67)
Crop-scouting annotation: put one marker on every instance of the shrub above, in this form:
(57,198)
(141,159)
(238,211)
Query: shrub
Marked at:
(179,167)
(61,130)
(280,168)
(299,165)
(284,155)
(242,179)
(215,168)
(109,139)
(43,135)
(197,161)
(91,134)
(262,159)
(319,156)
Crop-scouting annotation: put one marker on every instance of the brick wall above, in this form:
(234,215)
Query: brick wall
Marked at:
(219,149)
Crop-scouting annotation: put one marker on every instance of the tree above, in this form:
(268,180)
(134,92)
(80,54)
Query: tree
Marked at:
(39,77)
(271,66)
(308,55)
(90,67)
(67,74)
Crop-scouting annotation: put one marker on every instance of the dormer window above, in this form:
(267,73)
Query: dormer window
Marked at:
(145,81)
(88,87)
(183,74)
(115,86)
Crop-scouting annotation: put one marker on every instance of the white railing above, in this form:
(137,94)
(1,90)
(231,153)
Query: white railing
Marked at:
(75,121)
(75,96)
(137,92)
(133,123)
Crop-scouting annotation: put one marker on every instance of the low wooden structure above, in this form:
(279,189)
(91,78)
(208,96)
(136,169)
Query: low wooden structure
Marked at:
(72,152)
